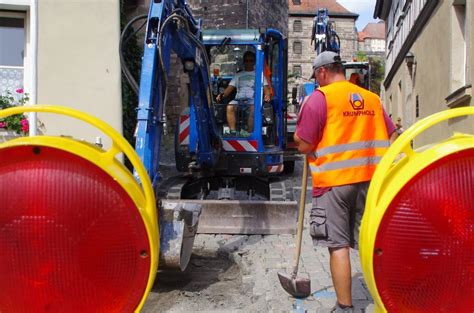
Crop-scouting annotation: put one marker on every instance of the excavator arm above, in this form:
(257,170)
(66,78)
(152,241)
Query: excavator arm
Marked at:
(323,34)
(172,28)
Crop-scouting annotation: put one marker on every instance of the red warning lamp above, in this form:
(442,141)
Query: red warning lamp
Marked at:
(77,232)
(417,235)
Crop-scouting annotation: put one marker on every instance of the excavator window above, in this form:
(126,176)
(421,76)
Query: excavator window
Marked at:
(357,73)
(234,106)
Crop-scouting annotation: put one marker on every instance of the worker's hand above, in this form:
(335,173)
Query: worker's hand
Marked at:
(266,98)
(220,97)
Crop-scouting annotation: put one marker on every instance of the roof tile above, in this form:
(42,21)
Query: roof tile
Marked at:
(311,6)
(373,30)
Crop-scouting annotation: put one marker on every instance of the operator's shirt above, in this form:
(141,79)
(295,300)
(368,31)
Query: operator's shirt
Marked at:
(312,120)
(244,82)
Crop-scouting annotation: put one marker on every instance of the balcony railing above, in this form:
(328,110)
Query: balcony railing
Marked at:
(11,78)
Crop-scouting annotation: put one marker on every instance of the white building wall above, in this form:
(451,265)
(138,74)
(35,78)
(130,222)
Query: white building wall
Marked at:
(77,60)
(78,63)
(441,76)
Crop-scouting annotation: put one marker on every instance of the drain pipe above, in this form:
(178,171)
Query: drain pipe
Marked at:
(32,116)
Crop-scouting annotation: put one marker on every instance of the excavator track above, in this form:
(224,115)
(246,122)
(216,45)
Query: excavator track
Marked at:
(281,191)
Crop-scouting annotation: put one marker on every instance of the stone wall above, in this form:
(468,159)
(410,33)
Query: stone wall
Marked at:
(242,13)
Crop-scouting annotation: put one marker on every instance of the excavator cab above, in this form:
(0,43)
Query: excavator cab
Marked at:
(252,130)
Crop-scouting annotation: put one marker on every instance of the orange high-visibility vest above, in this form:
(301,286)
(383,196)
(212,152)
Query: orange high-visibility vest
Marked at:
(268,75)
(354,138)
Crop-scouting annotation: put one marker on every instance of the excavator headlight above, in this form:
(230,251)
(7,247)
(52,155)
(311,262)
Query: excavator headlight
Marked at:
(77,232)
(417,234)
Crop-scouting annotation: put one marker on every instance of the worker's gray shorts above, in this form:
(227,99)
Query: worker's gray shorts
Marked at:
(336,215)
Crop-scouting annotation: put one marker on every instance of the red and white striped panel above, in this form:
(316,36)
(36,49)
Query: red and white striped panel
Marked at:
(275,168)
(293,117)
(240,145)
(184,130)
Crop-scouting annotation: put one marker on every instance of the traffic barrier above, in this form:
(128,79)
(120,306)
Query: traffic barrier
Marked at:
(78,233)
(417,233)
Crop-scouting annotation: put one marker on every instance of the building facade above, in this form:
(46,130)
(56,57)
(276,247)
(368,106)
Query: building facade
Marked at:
(372,39)
(59,58)
(300,22)
(428,61)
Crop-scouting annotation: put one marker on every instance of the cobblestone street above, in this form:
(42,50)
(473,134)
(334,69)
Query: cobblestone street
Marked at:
(239,274)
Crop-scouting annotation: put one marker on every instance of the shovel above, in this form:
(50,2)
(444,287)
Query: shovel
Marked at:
(298,287)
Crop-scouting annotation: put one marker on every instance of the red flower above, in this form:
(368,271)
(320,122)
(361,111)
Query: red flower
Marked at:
(25,127)
(19,90)
(3,124)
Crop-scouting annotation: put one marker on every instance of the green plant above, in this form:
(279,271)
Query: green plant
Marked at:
(361,56)
(17,123)
(377,73)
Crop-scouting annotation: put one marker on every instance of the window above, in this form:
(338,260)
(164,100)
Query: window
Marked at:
(297,70)
(297,26)
(417,107)
(297,47)
(228,59)
(390,105)
(458,45)
(395,15)
(296,2)
(400,100)
(12,37)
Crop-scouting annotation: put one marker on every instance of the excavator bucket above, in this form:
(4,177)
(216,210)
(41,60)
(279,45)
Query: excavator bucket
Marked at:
(180,220)
(178,226)
(243,217)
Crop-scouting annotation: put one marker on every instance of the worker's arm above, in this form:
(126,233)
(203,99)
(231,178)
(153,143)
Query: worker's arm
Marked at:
(391,129)
(311,122)
(303,146)
(227,92)
(393,136)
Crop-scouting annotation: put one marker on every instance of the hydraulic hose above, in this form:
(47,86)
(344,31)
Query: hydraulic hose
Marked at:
(190,35)
(128,75)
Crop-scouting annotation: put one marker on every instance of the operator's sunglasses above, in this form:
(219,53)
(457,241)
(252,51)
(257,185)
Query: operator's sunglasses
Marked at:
(249,60)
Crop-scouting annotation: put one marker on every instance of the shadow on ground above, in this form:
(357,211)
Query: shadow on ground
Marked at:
(212,281)
(201,272)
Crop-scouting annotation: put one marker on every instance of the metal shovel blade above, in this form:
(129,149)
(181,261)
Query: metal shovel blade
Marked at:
(298,287)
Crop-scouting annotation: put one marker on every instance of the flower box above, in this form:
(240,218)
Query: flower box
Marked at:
(6,135)
(14,125)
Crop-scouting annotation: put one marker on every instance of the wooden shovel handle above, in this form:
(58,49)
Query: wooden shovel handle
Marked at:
(299,234)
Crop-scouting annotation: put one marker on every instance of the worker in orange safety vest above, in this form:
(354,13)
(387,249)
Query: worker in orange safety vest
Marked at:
(344,131)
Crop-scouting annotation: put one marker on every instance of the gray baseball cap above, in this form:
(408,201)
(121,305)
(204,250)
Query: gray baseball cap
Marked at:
(325,58)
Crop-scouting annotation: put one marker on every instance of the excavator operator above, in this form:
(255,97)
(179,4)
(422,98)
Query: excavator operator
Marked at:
(244,84)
